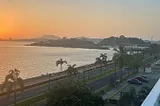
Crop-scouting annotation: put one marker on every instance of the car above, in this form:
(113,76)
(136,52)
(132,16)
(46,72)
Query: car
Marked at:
(142,79)
(144,76)
(134,81)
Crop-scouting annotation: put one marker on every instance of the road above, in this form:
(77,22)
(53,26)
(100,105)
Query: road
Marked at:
(4,101)
(106,80)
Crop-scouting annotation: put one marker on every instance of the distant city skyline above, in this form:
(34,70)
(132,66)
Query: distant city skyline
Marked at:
(74,18)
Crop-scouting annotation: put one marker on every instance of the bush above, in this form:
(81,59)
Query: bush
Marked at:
(76,94)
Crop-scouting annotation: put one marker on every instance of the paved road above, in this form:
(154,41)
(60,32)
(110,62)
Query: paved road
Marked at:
(4,101)
(43,88)
(106,80)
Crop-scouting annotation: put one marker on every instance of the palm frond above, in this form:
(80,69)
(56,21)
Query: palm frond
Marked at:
(74,65)
(64,62)
(116,50)
(57,62)
(115,56)
(69,65)
(11,71)
(17,71)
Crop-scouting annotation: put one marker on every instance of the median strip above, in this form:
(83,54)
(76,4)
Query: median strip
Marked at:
(118,91)
(104,74)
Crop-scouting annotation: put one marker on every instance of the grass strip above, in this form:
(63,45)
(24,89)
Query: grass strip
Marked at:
(103,74)
(103,90)
(118,91)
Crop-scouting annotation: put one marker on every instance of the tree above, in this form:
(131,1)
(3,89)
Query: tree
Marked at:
(119,57)
(60,62)
(75,94)
(154,49)
(132,98)
(71,69)
(103,57)
(98,60)
(102,60)
(137,61)
(125,100)
(133,95)
(142,94)
(11,81)
(128,98)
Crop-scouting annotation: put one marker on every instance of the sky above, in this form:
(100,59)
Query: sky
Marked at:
(72,18)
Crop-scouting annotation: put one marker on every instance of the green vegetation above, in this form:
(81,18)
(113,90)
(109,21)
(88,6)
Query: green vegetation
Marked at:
(73,94)
(76,94)
(60,62)
(11,81)
(132,98)
(71,69)
(120,57)
(68,42)
(103,90)
(116,41)
(99,76)
(118,91)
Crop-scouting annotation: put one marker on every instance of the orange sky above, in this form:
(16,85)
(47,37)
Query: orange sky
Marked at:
(92,18)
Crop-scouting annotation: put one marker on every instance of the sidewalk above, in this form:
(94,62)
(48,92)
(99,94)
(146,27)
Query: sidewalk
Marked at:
(36,80)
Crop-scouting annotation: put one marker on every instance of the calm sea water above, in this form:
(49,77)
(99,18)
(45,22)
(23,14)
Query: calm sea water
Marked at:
(35,61)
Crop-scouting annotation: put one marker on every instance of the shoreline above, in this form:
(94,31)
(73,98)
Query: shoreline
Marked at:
(29,82)
(68,47)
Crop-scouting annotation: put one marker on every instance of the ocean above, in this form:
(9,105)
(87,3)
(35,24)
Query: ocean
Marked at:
(35,61)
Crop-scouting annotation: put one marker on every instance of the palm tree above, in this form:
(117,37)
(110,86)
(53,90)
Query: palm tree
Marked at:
(60,62)
(10,82)
(102,60)
(98,60)
(103,56)
(119,57)
(71,69)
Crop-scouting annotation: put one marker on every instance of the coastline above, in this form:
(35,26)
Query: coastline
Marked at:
(42,79)
(90,48)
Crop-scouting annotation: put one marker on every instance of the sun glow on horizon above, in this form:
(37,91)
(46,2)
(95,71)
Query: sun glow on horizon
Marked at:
(7,23)
(71,18)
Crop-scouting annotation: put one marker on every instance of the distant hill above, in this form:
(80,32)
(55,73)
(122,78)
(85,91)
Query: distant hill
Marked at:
(116,41)
(42,38)
(48,37)
(72,43)
(95,40)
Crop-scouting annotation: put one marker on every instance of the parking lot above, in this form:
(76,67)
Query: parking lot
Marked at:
(153,78)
